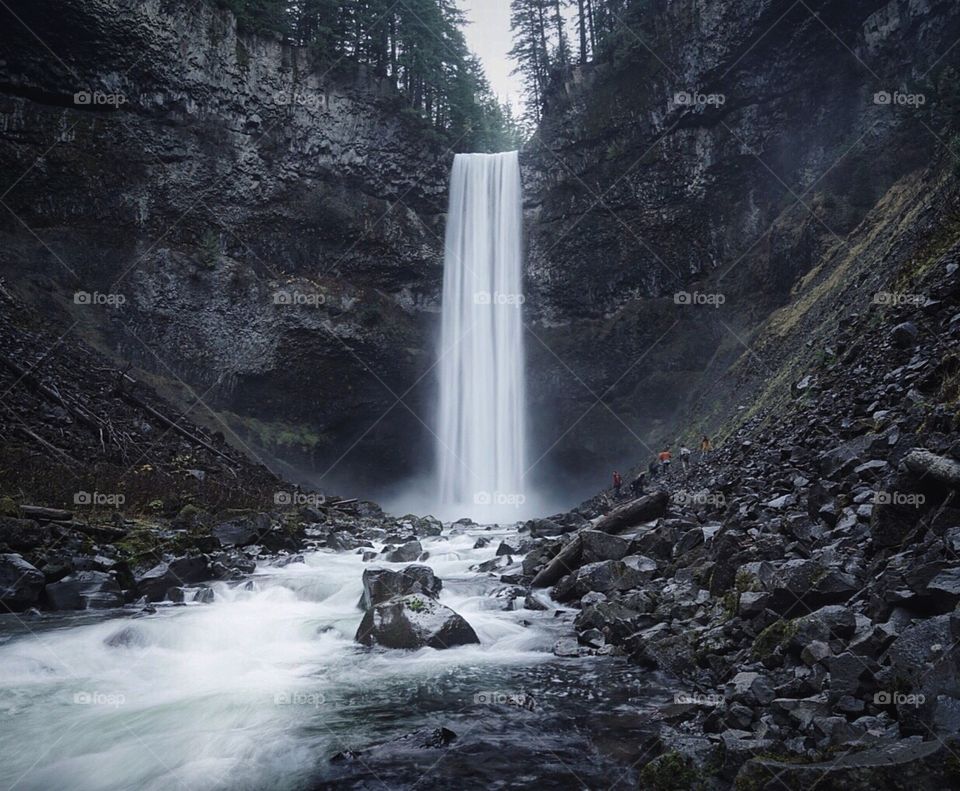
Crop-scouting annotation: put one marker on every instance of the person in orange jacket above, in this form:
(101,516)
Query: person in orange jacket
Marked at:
(665,457)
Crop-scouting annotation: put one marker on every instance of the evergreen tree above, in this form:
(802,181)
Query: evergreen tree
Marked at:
(610,31)
(529,50)
(418,44)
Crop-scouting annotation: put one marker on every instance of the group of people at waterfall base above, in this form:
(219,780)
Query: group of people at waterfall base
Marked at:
(660,466)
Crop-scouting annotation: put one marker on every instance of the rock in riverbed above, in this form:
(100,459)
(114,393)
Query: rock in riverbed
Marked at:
(20,583)
(379,585)
(414,621)
(84,590)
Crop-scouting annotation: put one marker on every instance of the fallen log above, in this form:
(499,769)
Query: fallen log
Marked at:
(80,413)
(98,532)
(61,456)
(131,399)
(634,513)
(46,514)
(567,561)
(941,469)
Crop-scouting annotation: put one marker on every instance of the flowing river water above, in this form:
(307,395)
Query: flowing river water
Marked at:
(264,686)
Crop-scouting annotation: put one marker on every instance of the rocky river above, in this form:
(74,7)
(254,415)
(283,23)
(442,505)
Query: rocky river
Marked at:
(263,685)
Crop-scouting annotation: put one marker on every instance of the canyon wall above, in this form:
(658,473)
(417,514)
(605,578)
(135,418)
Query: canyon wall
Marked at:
(680,197)
(263,233)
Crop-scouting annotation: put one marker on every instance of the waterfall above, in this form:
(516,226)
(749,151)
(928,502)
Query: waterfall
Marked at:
(482,421)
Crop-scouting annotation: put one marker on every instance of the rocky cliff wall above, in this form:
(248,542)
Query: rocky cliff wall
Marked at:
(678,199)
(154,154)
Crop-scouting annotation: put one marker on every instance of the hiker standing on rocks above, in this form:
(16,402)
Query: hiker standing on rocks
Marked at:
(653,468)
(665,457)
(637,486)
(617,483)
(685,457)
(706,446)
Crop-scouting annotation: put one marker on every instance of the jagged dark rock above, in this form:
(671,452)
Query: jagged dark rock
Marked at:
(20,583)
(380,585)
(414,622)
(84,590)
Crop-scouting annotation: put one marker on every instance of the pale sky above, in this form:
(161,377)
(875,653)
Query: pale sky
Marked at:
(488,36)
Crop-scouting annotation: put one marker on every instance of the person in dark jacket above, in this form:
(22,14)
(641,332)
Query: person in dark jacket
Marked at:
(636,488)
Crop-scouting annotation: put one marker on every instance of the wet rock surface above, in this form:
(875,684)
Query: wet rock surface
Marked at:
(412,622)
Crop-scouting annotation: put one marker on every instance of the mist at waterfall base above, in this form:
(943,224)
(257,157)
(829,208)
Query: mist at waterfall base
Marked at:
(482,458)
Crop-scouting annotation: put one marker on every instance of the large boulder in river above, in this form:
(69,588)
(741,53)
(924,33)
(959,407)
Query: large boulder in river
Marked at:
(404,554)
(414,622)
(421,526)
(380,585)
(84,590)
(20,583)
(181,571)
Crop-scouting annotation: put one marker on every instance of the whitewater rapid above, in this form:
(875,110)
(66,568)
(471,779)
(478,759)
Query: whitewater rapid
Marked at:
(257,689)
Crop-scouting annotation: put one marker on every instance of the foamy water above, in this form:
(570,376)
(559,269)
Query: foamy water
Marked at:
(257,689)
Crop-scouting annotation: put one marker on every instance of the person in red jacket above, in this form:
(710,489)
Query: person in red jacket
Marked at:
(617,483)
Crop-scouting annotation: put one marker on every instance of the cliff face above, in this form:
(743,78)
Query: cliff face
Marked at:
(678,201)
(272,227)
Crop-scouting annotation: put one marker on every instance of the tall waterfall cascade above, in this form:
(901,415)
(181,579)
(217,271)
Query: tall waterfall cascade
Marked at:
(482,453)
